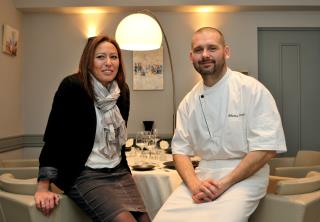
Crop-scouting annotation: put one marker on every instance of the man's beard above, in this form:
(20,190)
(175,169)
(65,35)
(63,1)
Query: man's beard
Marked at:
(216,69)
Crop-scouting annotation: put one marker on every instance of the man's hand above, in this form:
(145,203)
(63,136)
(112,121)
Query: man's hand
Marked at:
(209,190)
(202,191)
(205,191)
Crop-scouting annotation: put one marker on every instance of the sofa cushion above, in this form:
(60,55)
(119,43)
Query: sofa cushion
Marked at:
(313,174)
(308,184)
(11,184)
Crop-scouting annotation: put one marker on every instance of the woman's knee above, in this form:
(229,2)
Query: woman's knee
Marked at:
(124,216)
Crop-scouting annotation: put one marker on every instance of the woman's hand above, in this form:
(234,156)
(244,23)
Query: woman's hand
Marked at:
(45,200)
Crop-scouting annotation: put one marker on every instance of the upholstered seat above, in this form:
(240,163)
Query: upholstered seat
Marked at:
(17,203)
(293,191)
(290,199)
(298,166)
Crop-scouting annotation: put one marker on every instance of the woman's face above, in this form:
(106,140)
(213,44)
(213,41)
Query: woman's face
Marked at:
(105,63)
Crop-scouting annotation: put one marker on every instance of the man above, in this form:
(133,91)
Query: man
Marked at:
(231,122)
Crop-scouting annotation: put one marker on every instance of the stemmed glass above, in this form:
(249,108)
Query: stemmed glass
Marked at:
(142,141)
(152,145)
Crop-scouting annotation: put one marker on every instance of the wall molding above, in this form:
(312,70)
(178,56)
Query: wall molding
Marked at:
(19,142)
(35,140)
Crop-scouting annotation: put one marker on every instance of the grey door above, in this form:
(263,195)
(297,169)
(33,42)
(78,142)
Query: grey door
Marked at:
(289,66)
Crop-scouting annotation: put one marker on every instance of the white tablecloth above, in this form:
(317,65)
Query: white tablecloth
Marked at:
(155,185)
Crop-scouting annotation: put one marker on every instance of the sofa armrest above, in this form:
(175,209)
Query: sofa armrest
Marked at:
(273,182)
(17,207)
(298,186)
(293,208)
(296,172)
(66,211)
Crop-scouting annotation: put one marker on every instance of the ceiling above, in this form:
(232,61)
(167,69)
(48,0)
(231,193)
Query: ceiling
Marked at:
(110,6)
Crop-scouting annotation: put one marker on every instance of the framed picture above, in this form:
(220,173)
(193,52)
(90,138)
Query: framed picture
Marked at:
(148,70)
(10,40)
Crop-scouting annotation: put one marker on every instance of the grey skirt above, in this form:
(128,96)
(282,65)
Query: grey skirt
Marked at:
(104,193)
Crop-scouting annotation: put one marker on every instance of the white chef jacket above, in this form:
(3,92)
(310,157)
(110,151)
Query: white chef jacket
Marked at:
(226,121)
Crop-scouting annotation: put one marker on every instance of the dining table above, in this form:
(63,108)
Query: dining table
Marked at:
(155,183)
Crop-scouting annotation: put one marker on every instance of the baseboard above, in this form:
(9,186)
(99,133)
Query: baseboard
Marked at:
(18,142)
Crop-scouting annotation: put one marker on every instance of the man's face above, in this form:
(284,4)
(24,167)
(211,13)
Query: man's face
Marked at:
(208,53)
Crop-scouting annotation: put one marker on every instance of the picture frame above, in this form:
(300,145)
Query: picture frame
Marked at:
(10,40)
(148,69)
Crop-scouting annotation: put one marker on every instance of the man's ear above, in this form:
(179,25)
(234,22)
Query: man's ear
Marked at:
(226,52)
(190,55)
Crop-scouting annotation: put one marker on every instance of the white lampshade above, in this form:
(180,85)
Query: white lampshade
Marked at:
(139,32)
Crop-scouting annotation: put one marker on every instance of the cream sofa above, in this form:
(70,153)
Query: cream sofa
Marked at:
(17,203)
(293,191)
(17,186)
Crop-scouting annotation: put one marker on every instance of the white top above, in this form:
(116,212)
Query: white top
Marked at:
(233,117)
(96,159)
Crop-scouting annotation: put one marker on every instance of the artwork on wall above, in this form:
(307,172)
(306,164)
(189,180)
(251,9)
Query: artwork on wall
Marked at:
(10,39)
(148,70)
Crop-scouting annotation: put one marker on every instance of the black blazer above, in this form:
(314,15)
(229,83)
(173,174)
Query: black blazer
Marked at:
(71,128)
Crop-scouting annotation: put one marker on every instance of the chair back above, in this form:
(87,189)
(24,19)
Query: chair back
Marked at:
(11,184)
(307,158)
(19,163)
(21,172)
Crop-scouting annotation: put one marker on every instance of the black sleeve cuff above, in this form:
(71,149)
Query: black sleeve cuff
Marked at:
(47,173)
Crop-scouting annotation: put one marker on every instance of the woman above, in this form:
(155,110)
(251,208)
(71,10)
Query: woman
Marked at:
(83,153)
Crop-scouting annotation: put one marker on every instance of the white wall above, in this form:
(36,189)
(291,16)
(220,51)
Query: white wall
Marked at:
(53,45)
(10,76)
(14,154)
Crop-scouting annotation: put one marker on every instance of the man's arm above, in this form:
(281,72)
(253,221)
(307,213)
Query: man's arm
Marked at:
(186,171)
(202,191)
(250,164)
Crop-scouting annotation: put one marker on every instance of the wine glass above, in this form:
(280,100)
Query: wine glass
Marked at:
(140,140)
(141,143)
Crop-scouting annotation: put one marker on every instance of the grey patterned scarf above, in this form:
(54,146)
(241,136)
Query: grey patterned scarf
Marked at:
(113,124)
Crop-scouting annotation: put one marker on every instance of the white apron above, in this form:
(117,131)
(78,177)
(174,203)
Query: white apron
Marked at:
(235,205)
